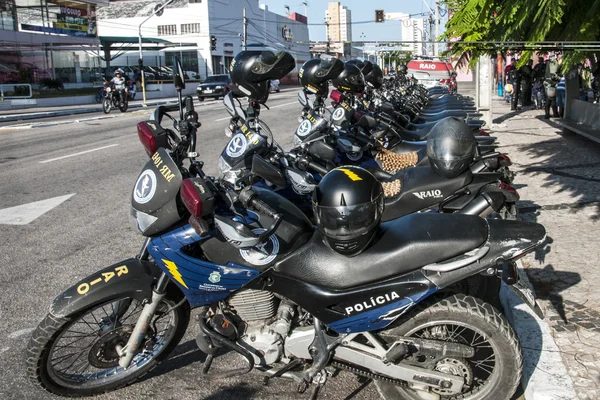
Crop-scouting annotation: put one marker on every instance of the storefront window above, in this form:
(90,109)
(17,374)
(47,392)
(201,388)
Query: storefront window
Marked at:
(62,17)
(7,15)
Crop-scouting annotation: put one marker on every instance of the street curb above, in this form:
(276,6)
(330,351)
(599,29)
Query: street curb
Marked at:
(545,375)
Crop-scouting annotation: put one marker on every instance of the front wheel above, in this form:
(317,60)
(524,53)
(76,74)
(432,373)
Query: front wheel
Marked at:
(106,106)
(124,105)
(495,370)
(77,356)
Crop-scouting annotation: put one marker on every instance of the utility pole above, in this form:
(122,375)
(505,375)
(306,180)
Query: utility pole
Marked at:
(430,35)
(245,31)
(305,8)
(158,11)
(437,27)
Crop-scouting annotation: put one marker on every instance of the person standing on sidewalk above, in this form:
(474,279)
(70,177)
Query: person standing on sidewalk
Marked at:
(560,97)
(514,77)
(526,73)
(551,79)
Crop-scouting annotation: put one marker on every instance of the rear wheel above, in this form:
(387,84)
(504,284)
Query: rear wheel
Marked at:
(77,356)
(495,370)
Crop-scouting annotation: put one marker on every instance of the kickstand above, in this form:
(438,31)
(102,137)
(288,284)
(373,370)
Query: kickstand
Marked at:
(288,367)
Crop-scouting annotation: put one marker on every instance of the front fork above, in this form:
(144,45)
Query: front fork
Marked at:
(127,352)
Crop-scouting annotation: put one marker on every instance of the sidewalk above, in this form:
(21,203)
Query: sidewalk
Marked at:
(558,178)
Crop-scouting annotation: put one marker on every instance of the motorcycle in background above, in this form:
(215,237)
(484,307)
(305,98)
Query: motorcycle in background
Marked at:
(115,98)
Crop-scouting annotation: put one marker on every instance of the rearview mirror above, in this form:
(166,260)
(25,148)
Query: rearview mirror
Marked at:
(302,98)
(178,76)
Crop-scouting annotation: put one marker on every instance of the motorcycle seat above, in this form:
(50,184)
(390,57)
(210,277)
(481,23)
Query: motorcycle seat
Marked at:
(402,245)
(421,187)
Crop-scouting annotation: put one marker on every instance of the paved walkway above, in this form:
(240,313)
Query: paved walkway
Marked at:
(558,178)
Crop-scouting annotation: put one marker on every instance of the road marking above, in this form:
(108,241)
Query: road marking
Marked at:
(277,106)
(78,154)
(25,213)
(20,332)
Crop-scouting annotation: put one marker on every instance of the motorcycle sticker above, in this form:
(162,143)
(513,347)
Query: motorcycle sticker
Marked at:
(304,128)
(436,194)
(338,114)
(263,253)
(237,146)
(214,277)
(145,187)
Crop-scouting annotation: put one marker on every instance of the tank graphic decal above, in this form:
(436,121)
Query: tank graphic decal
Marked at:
(264,252)
(196,278)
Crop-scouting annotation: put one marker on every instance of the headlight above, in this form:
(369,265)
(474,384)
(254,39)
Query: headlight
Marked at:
(297,141)
(223,167)
(142,221)
(218,87)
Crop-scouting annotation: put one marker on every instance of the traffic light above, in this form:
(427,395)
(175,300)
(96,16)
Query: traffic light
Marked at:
(213,42)
(379,16)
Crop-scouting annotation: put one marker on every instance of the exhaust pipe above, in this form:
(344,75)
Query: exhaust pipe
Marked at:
(484,204)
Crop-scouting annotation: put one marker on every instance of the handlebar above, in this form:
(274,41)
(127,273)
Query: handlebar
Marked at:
(249,199)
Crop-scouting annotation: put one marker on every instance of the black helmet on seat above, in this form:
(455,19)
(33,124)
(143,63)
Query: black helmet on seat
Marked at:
(451,147)
(375,77)
(350,79)
(348,205)
(402,69)
(365,66)
(251,71)
(315,74)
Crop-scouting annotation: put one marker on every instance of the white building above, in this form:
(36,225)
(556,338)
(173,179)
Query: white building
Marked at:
(413,30)
(194,22)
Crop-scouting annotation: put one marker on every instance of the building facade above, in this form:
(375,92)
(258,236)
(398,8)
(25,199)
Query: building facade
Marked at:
(48,39)
(195,23)
(413,31)
(338,23)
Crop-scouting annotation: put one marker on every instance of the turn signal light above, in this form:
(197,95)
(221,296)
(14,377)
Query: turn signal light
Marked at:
(336,96)
(191,197)
(147,138)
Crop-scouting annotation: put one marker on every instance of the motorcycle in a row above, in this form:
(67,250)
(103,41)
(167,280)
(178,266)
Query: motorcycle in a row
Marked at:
(376,245)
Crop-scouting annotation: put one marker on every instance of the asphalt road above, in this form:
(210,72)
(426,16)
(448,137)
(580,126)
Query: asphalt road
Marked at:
(98,161)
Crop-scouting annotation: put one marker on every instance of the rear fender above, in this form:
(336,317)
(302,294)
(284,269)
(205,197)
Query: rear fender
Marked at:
(128,278)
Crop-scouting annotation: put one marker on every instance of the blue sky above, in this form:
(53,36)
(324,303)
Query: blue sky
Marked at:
(362,10)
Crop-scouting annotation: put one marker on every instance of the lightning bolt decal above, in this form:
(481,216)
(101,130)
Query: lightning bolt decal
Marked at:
(175,272)
(351,174)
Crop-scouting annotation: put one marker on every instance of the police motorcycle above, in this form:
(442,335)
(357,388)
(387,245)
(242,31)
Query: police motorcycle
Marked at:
(424,100)
(292,301)
(352,90)
(115,98)
(252,154)
(359,138)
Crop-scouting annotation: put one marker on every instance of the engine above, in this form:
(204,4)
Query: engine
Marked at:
(265,321)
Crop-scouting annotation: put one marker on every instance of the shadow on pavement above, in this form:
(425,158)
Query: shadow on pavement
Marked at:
(508,116)
(567,171)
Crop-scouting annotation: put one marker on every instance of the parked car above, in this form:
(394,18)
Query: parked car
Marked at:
(8,75)
(431,72)
(274,87)
(214,86)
